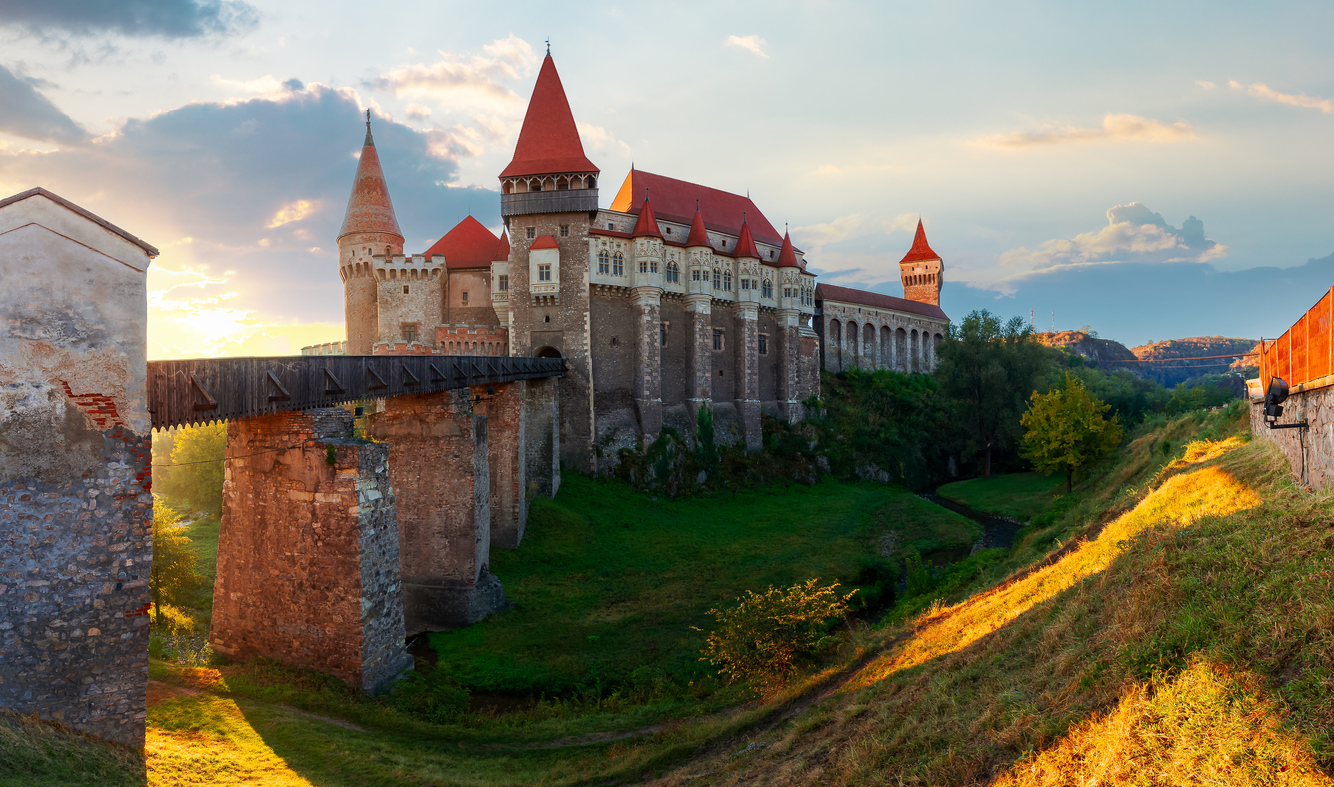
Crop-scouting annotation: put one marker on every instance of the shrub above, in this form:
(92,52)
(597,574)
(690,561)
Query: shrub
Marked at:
(173,620)
(768,636)
(174,577)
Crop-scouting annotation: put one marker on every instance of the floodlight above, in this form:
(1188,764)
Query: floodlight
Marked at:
(1274,399)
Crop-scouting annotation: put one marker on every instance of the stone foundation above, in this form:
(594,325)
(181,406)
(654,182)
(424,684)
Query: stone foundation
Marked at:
(308,555)
(1317,408)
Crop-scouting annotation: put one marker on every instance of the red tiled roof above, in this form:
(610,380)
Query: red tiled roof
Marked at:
(646,226)
(545,242)
(745,243)
(698,237)
(548,142)
(468,245)
(674,200)
(828,292)
(920,250)
(503,250)
(787,258)
(369,208)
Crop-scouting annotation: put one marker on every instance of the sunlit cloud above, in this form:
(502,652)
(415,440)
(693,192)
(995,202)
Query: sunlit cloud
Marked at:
(293,211)
(847,169)
(418,112)
(475,78)
(1115,128)
(1133,234)
(1206,84)
(1263,91)
(857,249)
(753,44)
(601,138)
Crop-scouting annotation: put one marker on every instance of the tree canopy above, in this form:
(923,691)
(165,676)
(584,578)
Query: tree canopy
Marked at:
(192,475)
(174,576)
(1066,430)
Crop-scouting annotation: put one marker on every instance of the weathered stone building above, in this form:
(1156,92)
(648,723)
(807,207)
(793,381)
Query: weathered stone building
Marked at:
(75,502)
(675,297)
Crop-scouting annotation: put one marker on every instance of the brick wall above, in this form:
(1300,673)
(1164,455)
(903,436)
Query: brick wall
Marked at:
(308,554)
(507,426)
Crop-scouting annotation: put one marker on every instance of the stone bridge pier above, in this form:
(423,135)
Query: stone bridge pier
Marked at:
(308,554)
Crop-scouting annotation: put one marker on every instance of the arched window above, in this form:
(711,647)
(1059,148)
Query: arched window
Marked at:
(717,279)
(768,289)
(673,273)
(604,262)
(727,280)
(617,264)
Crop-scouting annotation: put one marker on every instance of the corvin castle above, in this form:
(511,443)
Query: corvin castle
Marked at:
(675,297)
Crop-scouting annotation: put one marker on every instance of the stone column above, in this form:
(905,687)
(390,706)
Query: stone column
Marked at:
(440,470)
(308,554)
(506,416)
(648,361)
(747,355)
(541,441)
(699,313)
(789,366)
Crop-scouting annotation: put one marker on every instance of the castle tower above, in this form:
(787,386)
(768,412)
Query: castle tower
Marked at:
(548,197)
(699,313)
(746,348)
(646,250)
(369,230)
(921,270)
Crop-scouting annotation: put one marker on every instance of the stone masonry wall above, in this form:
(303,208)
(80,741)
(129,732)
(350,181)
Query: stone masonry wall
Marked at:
(1317,408)
(75,499)
(507,428)
(308,554)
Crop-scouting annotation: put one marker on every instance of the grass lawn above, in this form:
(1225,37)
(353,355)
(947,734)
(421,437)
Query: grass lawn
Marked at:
(610,584)
(203,535)
(1020,496)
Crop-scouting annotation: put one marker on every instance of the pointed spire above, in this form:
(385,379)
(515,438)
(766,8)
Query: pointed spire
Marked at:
(503,250)
(646,226)
(920,249)
(787,256)
(745,243)
(698,236)
(548,142)
(369,208)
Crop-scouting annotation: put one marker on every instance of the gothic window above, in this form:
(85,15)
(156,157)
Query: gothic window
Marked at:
(604,262)
(673,273)
(617,264)
(767,289)
(764,344)
(544,272)
(504,282)
(717,339)
(531,233)
(727,280)
(717,279)
(565,230)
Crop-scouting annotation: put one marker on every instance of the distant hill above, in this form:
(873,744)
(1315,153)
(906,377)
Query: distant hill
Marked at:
(1169,373)
(1104,353)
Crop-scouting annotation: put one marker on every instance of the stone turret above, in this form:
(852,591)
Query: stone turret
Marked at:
(370,231)
(921,271)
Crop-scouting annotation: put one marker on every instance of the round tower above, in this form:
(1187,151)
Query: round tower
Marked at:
(368,239)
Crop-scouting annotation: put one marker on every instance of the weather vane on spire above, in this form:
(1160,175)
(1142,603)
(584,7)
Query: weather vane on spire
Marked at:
(368,118)
(548,46)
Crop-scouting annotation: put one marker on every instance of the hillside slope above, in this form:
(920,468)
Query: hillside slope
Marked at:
(1183,636)
(1169,374)
(1105,353)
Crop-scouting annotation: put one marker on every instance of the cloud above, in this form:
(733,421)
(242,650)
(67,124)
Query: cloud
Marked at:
(861,166)
(753,44)
(1127,128)
(1133,234)
(857,249)
(600,138)
(170,19)
(293,211)
(418,112)
(475,78)
(1260,90)
(31,115)
(1206,84)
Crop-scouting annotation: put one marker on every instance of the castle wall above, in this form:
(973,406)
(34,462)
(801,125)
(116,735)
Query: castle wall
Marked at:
(507,427)
(676,354)
(410,293)
(476,308)
(1313,447)
(613,336)
(883,339)
(768,361)
(308,553)
(75,501)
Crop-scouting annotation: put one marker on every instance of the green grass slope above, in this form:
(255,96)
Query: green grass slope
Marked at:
(1020,496)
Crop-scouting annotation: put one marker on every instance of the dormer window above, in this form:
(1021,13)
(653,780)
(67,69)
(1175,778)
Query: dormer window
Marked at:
(669,230)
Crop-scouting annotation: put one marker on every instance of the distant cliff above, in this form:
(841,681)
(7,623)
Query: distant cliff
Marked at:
(1170,373)
(1103,353)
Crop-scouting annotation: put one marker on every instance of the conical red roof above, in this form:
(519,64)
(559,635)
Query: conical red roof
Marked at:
(468,245)
(698,236)
(646,226)
(920,250)
(503,250)
(745,244)
(369,208)
(548,142)
(787,257)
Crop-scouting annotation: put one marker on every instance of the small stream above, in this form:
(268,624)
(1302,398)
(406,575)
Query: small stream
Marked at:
(997,532)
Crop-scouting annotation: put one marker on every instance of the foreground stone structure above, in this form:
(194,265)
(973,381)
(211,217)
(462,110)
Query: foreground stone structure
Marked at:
(75,500)
(308,554)
(1314,446)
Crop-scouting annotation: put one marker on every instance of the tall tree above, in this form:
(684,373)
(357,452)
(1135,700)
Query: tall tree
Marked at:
(1067,431)
(193,474)
(173,577)
(989,368)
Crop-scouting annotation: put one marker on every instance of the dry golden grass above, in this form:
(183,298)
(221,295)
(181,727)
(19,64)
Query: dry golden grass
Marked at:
(206,740)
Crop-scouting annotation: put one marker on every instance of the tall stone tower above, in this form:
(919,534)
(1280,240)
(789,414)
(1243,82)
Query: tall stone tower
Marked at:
(548,197)
(369,230)
(921,270)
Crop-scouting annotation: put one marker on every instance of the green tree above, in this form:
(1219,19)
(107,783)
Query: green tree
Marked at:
(989,368)
(192,475)
(1067,431)
(174,577)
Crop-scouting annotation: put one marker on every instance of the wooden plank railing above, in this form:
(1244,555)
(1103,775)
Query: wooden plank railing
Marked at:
(1305,352)
(203,390)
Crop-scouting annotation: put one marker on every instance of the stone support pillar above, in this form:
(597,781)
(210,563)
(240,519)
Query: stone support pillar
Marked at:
(789,364)
(541,441)
(747,356)
(439,467)
(648,360)
(699,316)
(308,554)
(506,416)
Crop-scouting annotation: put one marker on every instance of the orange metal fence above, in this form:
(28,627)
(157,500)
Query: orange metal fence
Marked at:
(1305,352)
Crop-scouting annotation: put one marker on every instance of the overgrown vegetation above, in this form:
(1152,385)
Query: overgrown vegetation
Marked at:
(1066,431)
(188,466)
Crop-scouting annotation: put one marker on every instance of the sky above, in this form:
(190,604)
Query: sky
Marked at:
(1148,170)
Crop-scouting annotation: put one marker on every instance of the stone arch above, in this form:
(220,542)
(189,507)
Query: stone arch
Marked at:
(868,346)
(852,338)
(547,352)
(901,350)
(886,359)
(914,356)
(833,346)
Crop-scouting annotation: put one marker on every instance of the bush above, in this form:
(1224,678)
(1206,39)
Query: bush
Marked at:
(174,577)
(768,636)
(173,620)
